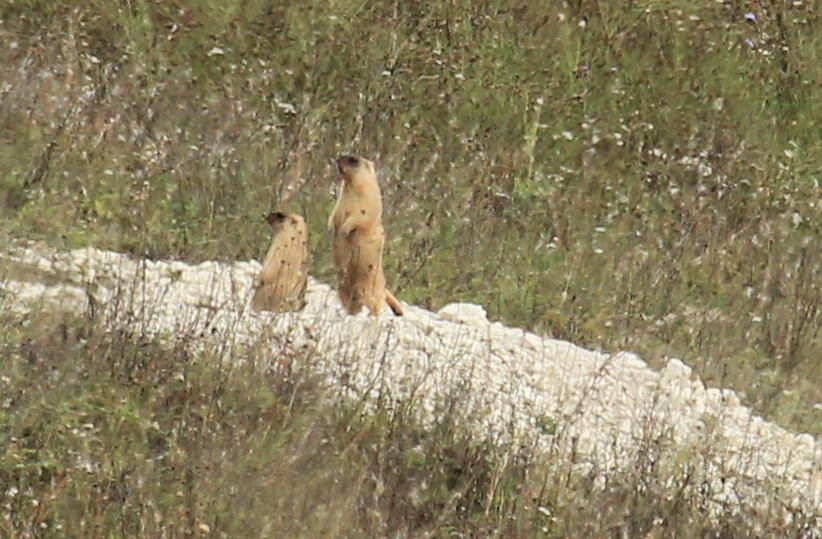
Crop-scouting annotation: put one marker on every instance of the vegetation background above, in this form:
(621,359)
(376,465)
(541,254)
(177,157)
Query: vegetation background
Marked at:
(639,175)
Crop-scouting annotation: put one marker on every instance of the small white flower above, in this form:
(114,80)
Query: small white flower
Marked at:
(286,107)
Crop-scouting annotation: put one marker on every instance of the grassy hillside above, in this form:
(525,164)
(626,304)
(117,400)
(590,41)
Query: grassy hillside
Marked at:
(112,434)
(625,175)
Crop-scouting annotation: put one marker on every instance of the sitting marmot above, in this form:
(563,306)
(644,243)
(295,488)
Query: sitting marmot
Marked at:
(282,281)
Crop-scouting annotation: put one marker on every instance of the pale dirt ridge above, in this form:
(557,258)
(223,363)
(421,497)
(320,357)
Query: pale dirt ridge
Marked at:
(508,383)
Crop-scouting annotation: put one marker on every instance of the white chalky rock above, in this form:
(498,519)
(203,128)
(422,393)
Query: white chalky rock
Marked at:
(504,383)
(467,313)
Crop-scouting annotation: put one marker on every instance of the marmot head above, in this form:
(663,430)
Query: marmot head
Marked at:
(278,220)
(350,166)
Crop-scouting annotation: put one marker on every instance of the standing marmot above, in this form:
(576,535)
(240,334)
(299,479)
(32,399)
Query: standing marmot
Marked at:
(282,281)
(358,236)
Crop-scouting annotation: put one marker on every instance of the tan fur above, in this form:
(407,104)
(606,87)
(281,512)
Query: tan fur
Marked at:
(358,236)
(282,281)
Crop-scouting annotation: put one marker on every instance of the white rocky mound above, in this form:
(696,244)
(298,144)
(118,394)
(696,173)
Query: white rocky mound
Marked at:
(604,411)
